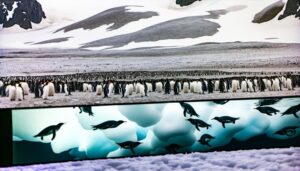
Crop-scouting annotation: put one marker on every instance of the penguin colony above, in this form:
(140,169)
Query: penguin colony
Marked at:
(16,88)
(193,118)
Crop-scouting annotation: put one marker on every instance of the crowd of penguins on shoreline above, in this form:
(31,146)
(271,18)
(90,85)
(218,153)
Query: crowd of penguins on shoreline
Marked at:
(43,87)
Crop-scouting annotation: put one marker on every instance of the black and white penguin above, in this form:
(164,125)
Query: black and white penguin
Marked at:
(225,119)
(167,87)
(292,111)
(49,130)
(108,124)
(129,145)
(205,139)
(198,123)
(267,110)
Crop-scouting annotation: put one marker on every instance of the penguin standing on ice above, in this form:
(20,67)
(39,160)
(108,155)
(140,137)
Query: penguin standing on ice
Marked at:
(210,86)
(49,130)
(176,88)
(167,87)
(106,90)
(117,88)
(123,89)
(145,88)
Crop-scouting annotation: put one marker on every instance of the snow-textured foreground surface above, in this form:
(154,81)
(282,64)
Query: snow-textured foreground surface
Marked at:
(264,159)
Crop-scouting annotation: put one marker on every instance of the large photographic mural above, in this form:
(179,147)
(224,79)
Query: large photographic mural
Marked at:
(85,132)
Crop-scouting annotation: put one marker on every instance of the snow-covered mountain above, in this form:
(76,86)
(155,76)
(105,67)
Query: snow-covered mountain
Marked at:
(128,24)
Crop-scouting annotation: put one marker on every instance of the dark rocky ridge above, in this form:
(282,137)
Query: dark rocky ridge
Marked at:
(292,8)
(26,12)
(118,16)
(56,40)
(269,12)
(188,27)
(185,2)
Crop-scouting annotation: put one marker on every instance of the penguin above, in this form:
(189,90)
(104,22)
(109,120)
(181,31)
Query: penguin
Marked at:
(117,88)
(167,87)
(51,89)
(49,130)
(172,148)
(271,101)
(292,110)
(106,90)
(25,88)
(12,93)
(129,145)
(86,109)
(99,89)
(188,109)
(210,87)
(145,88)
(198,123)
(225,119)
(267,110)
(221,102)
(176,88)
(123,89)
(205,139)
(288,131)
(19,93)
(108,124)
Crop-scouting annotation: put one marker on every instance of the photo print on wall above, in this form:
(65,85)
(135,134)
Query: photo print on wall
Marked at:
(114,131)
(129,51)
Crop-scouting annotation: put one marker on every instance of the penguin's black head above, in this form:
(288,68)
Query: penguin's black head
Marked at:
(120,121)
(60,124)
(215,118)
(190,119)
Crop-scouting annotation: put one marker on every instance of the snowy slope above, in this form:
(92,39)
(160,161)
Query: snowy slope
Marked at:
(235,24)
(265,159)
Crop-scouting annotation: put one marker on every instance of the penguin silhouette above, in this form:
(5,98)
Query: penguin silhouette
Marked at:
(271,101)
(267,110)
(129,145)
(108,124)
(221,102)
(49,130)
(292,111)
(225,119)
(86,109)
(172,148)
(188,109)
(288,131)
(205,139)
(198,123)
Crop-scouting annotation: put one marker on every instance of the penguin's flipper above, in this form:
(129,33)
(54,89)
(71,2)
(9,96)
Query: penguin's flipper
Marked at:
(270,114)
(223,124)
(208,144)
(295,115)
(42,138)
(131,149)
(184,112)
(197,127)
(54,134)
